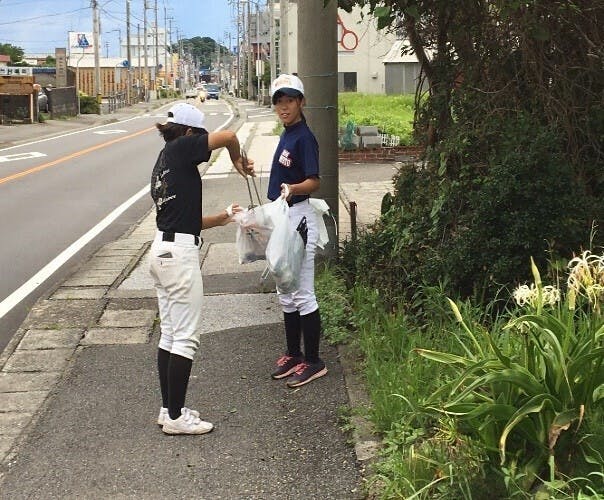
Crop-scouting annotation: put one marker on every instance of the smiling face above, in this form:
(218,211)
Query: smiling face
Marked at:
(289,109)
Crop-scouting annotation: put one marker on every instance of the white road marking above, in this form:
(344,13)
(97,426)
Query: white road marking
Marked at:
(21,156)
(113,131)
(43,274)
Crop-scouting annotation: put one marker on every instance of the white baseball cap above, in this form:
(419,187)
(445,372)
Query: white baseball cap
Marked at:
(289,85)
(186,114)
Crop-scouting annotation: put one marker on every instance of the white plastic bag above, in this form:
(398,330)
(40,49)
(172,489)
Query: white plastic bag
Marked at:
(285,250)
(254,229)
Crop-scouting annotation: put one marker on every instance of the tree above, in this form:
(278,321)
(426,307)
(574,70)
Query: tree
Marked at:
(513,123)
(15,53)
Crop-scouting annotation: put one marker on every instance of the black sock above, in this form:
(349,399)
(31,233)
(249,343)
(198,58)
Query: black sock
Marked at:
(311,326)
(292,333)
(163,359)
(179,370)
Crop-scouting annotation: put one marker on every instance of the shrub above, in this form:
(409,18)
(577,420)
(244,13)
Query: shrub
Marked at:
(89,105)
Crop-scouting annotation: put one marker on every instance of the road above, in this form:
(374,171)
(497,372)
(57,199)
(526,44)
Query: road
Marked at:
(64,197)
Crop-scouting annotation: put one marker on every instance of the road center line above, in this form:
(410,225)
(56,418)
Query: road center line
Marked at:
(71,156)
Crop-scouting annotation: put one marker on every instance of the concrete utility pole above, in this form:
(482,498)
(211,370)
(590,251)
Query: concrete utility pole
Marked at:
(96,28)
(139,52)
(318,70)
(156,65)
(238,49)
(284,36)
(273,50)
(250,61)
(128,54)
(165,47)
(146,78)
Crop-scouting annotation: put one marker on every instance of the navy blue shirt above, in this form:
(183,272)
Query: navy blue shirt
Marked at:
(176,184)
(296,159)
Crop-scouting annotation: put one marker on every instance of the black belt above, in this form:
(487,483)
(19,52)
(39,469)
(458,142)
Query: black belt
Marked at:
(292,203)
(170,237)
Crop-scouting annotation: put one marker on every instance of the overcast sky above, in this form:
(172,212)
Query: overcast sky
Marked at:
(38,26)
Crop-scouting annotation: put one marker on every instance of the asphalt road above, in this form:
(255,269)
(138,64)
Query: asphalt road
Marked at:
(64,197)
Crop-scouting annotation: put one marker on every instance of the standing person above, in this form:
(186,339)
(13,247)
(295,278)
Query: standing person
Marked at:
(294,176)
(175,268)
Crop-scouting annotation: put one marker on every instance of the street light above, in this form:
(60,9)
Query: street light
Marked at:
(119,34)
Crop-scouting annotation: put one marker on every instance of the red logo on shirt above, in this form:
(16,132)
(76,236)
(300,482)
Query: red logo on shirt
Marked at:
(284,159)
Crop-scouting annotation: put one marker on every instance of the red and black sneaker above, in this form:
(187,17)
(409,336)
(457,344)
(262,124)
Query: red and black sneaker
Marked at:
(307,372)
(286,365)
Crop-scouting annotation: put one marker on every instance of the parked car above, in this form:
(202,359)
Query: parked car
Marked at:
(213,91)
(191,94)
(42,102)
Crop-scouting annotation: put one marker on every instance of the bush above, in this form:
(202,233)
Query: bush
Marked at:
(473,223)
(89,105)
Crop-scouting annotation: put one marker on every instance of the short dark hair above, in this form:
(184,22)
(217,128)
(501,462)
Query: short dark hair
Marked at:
(170,131)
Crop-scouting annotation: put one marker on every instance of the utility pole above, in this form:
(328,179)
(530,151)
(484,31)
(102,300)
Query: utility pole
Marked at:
(165,47)
(250,85)
(273,48)
(140,67)
(238,49)
(128,54)
(156,53)
(284,36)
(96,28)
(147,78)
(318,70)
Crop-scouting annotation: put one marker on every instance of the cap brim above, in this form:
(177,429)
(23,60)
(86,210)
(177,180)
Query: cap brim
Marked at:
(288,92)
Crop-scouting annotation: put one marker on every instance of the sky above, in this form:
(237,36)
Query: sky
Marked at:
(38,26)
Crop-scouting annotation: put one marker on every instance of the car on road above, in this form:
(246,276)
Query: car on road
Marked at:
(191,94)
(213,91)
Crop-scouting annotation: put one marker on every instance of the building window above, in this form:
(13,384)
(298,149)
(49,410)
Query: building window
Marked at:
(347,82)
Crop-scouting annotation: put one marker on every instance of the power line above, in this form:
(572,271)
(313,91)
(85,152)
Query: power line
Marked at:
(44,16)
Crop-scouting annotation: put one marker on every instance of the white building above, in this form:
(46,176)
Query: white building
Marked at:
(363,51)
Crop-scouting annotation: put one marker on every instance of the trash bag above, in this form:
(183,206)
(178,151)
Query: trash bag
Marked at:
(285,250)
(253,233)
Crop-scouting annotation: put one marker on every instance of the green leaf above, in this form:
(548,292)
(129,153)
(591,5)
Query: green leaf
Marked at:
(533,405)
(382,11)
(598,393)
(442,357)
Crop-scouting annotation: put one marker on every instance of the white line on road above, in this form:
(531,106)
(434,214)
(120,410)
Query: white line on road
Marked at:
(21,156)
(43,274)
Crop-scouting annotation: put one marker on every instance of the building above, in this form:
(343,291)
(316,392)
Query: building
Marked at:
(364,52)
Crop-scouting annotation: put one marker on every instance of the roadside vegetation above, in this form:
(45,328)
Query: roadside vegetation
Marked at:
(475,300)
(391,114)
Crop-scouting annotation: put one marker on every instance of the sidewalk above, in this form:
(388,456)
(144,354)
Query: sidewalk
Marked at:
(78,383)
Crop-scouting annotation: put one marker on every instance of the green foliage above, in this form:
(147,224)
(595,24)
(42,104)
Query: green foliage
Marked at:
(334,303)
(486,385)
(202,49)
(15,53)
(392,114)
(89,105)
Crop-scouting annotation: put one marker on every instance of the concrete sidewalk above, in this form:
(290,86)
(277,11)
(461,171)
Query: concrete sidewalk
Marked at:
(78,385)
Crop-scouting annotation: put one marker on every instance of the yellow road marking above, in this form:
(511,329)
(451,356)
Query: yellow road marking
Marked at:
(71,156)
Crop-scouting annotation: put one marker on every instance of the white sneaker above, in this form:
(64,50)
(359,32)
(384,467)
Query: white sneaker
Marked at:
(187,423)
(163,413)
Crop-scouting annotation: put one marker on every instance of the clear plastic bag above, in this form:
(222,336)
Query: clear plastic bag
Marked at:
(285,250)
(253,232)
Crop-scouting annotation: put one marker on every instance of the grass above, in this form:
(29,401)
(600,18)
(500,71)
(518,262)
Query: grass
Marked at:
(392,114)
